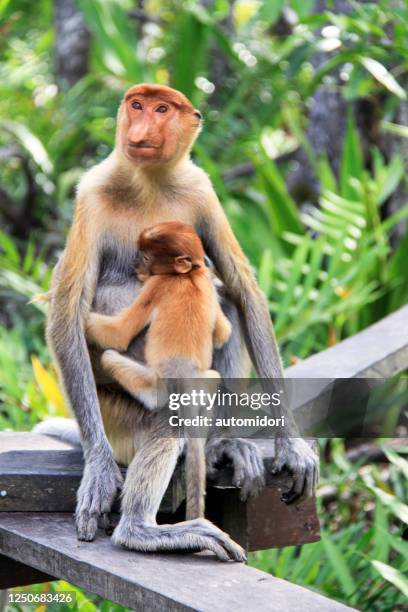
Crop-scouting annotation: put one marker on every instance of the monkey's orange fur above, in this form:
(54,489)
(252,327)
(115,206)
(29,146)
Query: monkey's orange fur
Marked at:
(178,302)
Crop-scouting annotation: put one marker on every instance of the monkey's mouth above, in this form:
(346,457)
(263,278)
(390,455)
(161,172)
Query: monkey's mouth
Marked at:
(141,145)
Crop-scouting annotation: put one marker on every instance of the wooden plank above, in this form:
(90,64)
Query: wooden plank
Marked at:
(39,473)
(379,351)
(149,582)
(14,574)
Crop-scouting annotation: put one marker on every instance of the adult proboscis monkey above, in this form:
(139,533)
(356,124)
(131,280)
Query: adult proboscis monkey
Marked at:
(150,178)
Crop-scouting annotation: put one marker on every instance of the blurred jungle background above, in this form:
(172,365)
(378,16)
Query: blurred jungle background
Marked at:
(306,141)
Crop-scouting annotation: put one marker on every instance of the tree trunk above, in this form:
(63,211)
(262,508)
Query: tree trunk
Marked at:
(72,41)
(327,123)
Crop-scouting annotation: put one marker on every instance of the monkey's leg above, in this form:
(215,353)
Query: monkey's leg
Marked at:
(232,361)
(135,377)
(146,482)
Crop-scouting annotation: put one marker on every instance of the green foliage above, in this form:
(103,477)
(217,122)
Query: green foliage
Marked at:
(328,268)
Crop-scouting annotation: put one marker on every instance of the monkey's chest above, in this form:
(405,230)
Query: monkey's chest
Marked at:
(117,284)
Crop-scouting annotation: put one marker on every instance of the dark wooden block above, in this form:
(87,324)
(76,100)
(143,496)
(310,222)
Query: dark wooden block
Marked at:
(264,521)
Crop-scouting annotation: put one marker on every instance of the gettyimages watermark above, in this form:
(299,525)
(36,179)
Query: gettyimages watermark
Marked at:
(264,408)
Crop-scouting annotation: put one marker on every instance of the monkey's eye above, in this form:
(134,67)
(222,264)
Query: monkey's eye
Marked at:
(198,114)
(137,106)
(146,258)
(161,109)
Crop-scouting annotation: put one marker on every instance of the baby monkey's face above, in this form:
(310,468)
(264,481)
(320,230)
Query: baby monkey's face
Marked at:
(142,266)
(150,265)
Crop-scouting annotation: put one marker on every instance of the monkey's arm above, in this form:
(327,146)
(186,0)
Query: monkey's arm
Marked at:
(223,248)
(117,332)
(222,329)
(73,288)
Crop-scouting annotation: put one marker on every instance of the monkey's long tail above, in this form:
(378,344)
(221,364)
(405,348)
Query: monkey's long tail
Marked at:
(66,430)
(196,478)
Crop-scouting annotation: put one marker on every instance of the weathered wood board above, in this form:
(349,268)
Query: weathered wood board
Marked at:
(42,474)
(149,582)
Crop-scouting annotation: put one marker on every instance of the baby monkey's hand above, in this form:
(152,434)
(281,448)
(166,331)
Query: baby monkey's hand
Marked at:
(105,332)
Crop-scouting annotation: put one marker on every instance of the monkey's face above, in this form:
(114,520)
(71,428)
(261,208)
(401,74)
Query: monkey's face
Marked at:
(142,266)
(148,265)
(156,124)
(170,247)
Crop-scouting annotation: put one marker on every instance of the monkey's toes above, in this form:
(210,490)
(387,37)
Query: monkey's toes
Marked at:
(218,541)
(109,358)
(86,526)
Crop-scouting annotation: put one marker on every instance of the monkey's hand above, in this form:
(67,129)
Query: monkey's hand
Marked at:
(105,332)
(301,461)
(100,482)
(247,463)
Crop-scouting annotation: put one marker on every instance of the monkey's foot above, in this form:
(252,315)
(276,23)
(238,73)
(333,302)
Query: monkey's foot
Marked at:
(193,536)
(104,331)
(100,483)
(301,461)
(246,459)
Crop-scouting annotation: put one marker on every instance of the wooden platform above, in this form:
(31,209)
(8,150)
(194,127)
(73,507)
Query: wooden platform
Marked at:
(42,474)
(148,582)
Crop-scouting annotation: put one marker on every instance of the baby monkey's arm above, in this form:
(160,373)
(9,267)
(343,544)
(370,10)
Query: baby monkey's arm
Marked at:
(222,329)
(117,331)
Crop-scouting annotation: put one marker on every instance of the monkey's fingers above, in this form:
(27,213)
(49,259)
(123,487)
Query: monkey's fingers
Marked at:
(254,478)
(106,524)
(213,458)
(302,463)
(96,495)
(86,525)
(297,490)
(249,471)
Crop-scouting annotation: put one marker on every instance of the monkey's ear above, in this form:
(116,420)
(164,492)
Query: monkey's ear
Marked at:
(183,264)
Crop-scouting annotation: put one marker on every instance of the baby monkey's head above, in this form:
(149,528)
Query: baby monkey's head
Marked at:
(169,248)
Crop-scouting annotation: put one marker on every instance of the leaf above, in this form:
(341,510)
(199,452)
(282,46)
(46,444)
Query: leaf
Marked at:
(49,387)
(339,564)
(395,128)
(326,174)
(391,574)
(302,7)
(115,38)
(383,76)
(271,11)
(191,33)
(282,209)
(30,143)
(397,507)
(9,248)
(393,174)
(400,462)
(351,160)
